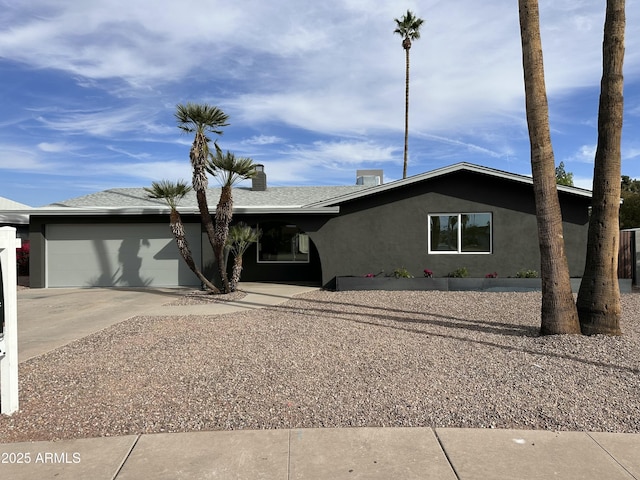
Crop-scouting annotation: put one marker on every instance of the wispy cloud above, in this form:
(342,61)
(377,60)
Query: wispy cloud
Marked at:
(263,140)
(19,158)
(137,156)
(56,147)
(631,153)
(311,92)
(471,146)
(585,154)
(344,153)
(145,172)
(104,122)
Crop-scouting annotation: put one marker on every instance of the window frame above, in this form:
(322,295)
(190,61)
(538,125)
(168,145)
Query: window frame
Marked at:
(459,251)
(291,262)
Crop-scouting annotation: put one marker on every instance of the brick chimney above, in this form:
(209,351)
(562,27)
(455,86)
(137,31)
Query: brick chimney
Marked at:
(259,181)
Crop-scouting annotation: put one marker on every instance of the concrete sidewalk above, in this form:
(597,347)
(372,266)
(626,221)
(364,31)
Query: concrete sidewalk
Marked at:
(51,318)
(354,453)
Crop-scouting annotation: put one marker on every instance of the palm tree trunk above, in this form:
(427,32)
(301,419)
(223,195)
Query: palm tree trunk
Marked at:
(236,272)
(599,306)
(406,113)
(224,214)
(559,314)
(198,155)
(177,228)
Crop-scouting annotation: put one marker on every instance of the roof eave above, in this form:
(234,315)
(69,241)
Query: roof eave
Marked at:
(331,210)
(108,211)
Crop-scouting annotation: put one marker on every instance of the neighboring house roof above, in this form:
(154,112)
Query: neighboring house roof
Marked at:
(9,212)
(304,199)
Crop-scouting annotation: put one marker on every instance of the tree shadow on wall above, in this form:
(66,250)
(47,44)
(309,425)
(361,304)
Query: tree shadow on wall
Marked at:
(128,272)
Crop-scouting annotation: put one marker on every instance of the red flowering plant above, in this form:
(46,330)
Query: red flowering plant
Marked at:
(428,273)
(372,275)
(491,275)
(22,258)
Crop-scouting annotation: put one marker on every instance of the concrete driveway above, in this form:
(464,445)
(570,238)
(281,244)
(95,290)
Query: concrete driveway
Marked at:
(52,317)
(49,318)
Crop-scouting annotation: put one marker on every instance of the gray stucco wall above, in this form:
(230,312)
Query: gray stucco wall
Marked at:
(390,230)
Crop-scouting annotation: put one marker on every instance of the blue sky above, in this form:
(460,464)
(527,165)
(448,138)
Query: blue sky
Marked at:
(88,89)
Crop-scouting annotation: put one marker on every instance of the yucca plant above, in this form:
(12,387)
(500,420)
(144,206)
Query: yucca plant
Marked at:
(172,193)
(239,238)
(201,120)
(229,170)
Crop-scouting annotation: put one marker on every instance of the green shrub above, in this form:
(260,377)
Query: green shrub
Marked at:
(459,273)
(527,274)
(402,273)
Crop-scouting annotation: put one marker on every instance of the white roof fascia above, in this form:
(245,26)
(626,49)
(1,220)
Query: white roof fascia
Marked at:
(101,211)
(8,216)
(14,213)
(287,210)
(439,172)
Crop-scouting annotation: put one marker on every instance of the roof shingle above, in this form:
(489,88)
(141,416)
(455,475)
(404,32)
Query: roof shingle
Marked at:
(242,197)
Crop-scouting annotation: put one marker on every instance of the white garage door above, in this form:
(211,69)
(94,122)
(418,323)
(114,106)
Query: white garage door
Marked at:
(127,255)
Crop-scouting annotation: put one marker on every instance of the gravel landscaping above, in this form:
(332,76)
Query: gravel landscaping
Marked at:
(199,297)
(336,359)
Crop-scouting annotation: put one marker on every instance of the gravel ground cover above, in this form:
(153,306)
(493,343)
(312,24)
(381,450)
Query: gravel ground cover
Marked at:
(336,359)
(198,297)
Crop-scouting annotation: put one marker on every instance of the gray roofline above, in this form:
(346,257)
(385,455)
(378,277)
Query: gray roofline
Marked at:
(163,210)
(439,172)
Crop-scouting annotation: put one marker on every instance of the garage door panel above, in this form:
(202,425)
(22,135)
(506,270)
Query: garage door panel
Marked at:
(103,255)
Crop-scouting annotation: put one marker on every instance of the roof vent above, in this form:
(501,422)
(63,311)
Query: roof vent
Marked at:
(259,180)
(369,177)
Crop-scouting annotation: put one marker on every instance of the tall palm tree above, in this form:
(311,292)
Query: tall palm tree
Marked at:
(172,193)
(598,302)
(239,239)
(201,120)
(408,27)
(229,170)
(559,314)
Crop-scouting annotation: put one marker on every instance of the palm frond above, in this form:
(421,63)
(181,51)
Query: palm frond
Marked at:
(195,117)
(228,168)
(169,191)
(241,236)
(408,26)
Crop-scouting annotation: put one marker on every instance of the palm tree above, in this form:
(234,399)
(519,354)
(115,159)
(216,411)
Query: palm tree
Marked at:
(239,239)
(559,314)
(201,120)
(599,295)
(172,193)
(408,27)
(229,170)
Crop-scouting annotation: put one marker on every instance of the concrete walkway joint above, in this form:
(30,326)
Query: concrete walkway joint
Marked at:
(353,453)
